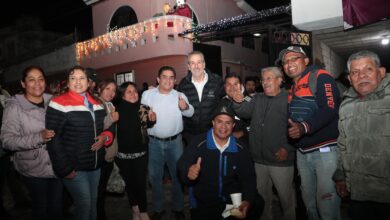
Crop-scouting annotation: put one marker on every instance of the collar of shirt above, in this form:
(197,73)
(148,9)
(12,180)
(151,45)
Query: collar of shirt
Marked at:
(200,85)
(221,148)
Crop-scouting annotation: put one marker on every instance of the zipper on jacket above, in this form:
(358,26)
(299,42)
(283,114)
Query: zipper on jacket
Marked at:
(94,129)
(220,176)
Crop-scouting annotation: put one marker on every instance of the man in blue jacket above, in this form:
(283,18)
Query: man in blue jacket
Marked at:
(216,165)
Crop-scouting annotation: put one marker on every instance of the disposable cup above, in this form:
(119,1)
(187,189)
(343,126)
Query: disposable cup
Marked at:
(236,199)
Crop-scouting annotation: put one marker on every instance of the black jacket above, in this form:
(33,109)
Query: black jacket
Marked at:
(75,133)
(212,92)
(221,173)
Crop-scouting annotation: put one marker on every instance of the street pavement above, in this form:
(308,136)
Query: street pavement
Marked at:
(118,208)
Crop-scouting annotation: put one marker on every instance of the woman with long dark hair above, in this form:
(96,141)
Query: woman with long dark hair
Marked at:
(107,92)
(23,132)
(132,158)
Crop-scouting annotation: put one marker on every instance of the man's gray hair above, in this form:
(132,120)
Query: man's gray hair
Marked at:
(363,54)
(275,70)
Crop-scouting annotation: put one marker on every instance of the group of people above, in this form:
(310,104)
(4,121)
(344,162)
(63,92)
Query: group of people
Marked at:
(214,138)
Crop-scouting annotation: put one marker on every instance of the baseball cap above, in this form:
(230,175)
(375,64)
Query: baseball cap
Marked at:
(283,52)
(223,110)
(91,73)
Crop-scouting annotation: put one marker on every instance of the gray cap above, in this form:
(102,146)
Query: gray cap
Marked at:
(283,52)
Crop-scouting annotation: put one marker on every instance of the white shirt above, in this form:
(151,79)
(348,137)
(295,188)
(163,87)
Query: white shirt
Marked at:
(200,85)
(169,119)
(220,148)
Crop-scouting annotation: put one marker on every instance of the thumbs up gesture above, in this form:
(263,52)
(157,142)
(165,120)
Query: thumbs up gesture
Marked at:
(152,115)
(237,96)
(182,103)
(194,170)
(295,129)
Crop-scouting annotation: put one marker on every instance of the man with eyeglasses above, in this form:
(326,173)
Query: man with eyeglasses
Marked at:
(204,90)
(364,141)
(313,115)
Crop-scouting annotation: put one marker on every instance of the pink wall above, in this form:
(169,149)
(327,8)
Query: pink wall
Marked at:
(146,70)
(206,10)
(168,43)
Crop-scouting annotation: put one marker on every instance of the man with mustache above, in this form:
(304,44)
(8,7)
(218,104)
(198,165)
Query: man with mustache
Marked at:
(313,116)
(364,141)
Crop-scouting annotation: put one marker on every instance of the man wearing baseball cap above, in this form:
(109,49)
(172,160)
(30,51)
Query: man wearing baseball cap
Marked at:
(215,165)
(313,116)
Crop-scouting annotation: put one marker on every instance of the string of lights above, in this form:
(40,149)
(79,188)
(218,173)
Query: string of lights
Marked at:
(228,23)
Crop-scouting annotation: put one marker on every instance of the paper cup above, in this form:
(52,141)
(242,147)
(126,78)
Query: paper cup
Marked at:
(236,199)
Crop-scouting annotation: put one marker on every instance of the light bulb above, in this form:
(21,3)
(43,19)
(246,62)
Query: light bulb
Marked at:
(385,41)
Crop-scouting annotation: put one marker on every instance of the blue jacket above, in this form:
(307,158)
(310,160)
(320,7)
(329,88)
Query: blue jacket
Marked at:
(221,173)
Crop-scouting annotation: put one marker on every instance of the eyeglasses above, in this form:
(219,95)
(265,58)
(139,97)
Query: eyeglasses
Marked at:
(292,59)
(268,79)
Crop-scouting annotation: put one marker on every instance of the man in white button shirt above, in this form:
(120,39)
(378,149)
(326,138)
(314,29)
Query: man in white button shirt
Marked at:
(165,141)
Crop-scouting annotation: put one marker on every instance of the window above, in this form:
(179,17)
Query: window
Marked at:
(123,16)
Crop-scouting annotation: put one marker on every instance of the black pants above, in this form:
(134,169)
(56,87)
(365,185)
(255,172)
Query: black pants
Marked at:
(366,210)
(105,172)
(133,172)
(46,197)
(4,164)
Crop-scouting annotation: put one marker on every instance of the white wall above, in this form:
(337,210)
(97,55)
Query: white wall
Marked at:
(311,15)
(333,62)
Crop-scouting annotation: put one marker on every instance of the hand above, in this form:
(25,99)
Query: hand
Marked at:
(182,104)
(194,170)
(47,135)
(114,116)
(99,142)
(238,134)
(243,209)
(71,175)
(152,115)
(111,107)
(341,188)
(281,154)
(295,129)
(237,96)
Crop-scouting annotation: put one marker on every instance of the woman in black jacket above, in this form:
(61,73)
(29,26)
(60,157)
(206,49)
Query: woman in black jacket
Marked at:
(132,158)
(76,150)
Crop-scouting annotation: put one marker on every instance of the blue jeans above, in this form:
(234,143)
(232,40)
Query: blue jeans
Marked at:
(318,189)
(83,189)
(46,197)
(161,152)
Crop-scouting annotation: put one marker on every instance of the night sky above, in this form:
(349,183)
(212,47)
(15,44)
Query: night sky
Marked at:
(63,16)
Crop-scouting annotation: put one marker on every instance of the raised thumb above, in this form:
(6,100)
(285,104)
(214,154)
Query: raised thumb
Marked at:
(199,161)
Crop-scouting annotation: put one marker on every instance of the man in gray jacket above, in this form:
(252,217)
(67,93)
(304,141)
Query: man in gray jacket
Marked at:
(364,141)
(268,141)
